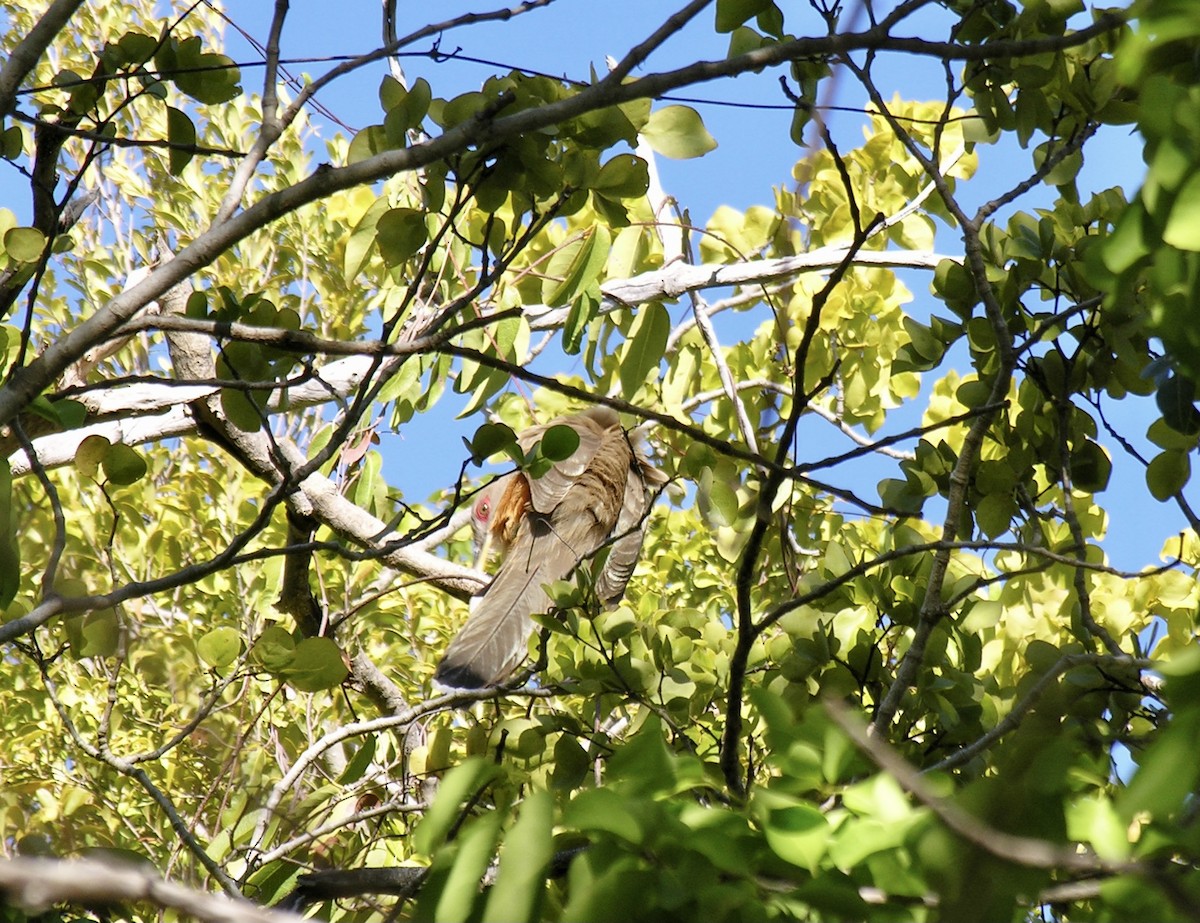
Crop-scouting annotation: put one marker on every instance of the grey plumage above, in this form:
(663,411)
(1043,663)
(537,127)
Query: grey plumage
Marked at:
(548,525)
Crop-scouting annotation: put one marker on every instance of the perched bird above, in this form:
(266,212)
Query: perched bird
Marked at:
(545,526)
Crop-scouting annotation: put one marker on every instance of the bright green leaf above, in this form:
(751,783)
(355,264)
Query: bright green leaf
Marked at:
(576,267)
(526,853)
(1183,223)
(732,13)
(645,348)
(678,132)
(25,245)
(10,554)
(460,783)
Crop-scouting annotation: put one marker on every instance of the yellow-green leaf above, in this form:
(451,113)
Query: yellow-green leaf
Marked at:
(678,132)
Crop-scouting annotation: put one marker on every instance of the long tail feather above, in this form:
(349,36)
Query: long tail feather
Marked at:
(494,641)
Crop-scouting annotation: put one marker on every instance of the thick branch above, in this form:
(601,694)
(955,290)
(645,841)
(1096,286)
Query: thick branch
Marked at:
(39,883)
(25,56)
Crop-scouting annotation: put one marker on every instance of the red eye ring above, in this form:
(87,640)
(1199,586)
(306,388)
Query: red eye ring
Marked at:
(483,509)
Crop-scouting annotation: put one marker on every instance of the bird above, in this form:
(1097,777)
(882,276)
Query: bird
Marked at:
(544,527)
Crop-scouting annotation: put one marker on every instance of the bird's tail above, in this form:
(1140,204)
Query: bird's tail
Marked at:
(495,639)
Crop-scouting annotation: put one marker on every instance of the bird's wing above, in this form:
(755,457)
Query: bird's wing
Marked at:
(548,491)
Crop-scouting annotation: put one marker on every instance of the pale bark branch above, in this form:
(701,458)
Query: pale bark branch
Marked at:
(37,884)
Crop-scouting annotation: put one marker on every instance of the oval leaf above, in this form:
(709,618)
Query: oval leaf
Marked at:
(122,465)
(181,133)
(24,245)
(490,439)
(678,132)
(559,442)
(401,232)
(90,454)
(274,649)
(220,647)
(624,177)
(1167,474)
(317,665)
(643,351)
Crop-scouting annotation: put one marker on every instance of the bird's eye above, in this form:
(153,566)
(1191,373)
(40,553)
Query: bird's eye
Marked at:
(483,510)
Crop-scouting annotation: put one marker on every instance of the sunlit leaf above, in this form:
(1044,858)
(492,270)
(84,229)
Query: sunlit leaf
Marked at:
(678,132)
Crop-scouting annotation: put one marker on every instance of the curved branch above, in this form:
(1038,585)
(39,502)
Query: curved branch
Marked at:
(39,883)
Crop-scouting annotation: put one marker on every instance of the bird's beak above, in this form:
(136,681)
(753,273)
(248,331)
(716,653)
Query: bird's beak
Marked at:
(485,549)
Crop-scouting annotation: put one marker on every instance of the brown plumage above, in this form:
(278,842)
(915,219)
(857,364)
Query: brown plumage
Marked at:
(546,526)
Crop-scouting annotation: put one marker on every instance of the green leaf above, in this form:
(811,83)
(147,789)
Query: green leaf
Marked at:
(1176,399)
(12,142)
(401,232)
(470,856)
(583,309)
(25,245)
(994,514)
(602,809)
(274,649)
(732,13)
(207,77)
(71,414)
(1127,244)
(717,498)
(367,143)
(180,131)
(570,762)
(559,442)
(94,634)
(90,455)
(1183,223)
(743,40)
(241,410)
(461,782)
(576,267)
(624,177)
(122,465)
(526,853)
(678,132)
(644,349)
(1167,473)
(801,116)
(797,833)
(490,439)
(1168,770)
(362,239)
(491,382)
(220,647)
(317,664)
(1166,437)
(1090,467)
(359,763)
